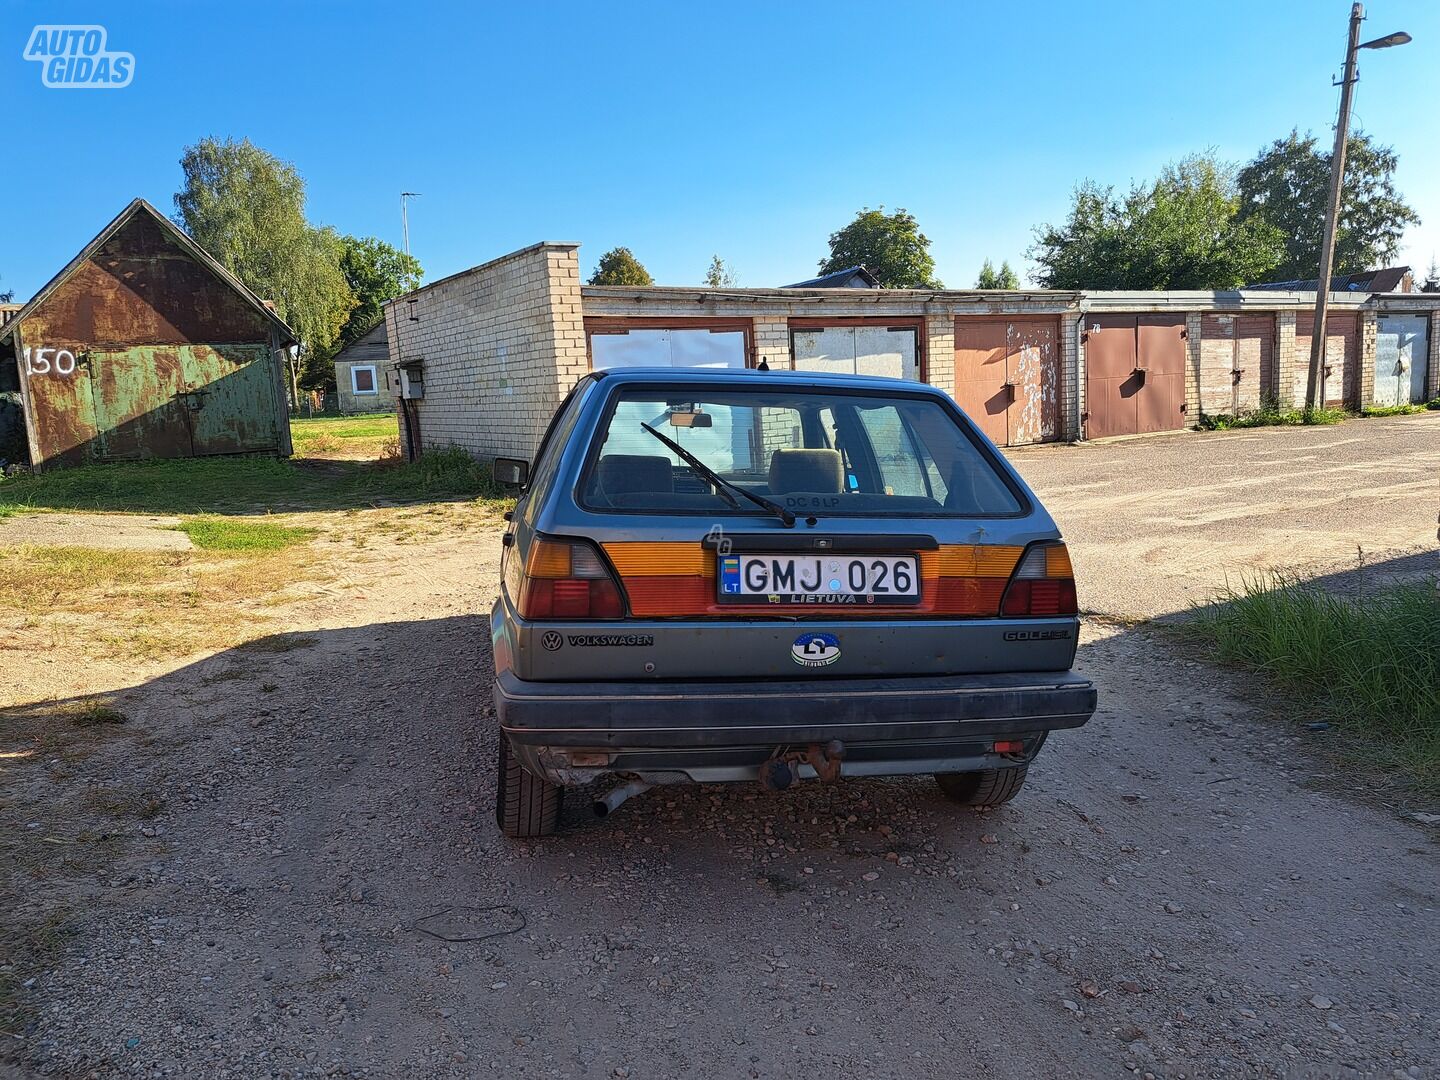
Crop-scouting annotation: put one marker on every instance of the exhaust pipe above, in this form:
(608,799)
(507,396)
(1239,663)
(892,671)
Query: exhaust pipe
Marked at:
(610,803)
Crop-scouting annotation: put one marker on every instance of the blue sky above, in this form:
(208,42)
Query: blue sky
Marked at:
(683,130)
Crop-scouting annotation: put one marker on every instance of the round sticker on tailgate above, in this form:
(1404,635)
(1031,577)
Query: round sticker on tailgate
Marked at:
(815,650)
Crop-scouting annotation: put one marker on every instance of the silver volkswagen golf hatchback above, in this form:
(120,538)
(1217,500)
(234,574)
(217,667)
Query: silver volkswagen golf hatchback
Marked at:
(773,577)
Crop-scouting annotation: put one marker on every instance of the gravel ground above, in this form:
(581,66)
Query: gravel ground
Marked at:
(306,830)
(1170,519)
(135,532)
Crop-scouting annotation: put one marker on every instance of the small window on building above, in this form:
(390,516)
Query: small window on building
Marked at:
(362,380)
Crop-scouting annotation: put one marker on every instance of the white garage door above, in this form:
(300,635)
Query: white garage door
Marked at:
(858,350)
(668,348)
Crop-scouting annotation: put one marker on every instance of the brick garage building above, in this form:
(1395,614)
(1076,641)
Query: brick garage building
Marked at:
(483,357)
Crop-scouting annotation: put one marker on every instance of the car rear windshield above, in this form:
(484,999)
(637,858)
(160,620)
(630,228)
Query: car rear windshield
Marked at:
(828,453)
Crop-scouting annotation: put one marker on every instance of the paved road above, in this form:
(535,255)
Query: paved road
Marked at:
(1161,522)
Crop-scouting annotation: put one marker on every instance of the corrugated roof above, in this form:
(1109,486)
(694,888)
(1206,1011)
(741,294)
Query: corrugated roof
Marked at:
(1384,280)
(840,279)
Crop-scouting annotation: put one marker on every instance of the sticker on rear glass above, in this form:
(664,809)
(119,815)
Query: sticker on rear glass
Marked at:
(815,650)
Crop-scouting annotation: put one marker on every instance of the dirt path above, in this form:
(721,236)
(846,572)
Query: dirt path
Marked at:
(1167,896)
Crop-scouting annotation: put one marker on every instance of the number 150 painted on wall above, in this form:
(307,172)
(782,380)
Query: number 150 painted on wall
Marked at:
(49,361)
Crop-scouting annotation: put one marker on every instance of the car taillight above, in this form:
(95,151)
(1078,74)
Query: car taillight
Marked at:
(566,579)
(1043,583)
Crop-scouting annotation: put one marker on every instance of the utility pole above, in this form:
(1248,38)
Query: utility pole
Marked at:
(405,216)
(1337,181)
(1332,212)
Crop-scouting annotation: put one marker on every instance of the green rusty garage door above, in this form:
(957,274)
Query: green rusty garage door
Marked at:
(184,400)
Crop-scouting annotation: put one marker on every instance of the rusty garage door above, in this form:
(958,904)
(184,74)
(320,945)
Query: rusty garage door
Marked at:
(1007,377)
(1401,355)
(1134,374)
(1342,357)
(1236,362)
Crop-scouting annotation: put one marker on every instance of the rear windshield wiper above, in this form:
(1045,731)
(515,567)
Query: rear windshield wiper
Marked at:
(720,482)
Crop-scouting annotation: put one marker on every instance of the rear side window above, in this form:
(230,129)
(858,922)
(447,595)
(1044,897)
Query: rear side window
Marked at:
(832,452)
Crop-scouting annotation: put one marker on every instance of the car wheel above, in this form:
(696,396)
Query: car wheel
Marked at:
(525,804)
(987,787)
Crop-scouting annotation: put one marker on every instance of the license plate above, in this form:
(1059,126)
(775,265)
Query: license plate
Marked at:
(818,579)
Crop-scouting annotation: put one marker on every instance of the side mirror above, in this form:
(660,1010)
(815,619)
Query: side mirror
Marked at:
(511,472)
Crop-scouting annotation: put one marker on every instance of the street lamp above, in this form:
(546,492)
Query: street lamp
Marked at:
(405,216)
(1337,175)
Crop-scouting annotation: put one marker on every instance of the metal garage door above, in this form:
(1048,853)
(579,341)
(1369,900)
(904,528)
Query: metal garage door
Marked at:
(857,350)
(1236,361)
(1134,374)
(1007,377)
(1402,352)
(667,347)
(1342,353)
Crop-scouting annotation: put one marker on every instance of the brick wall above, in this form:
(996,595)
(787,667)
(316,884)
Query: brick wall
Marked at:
(772,341)
(1070,388)
(940,351)
(1282,387)
(499,346)
(1194,340)
(1361,390)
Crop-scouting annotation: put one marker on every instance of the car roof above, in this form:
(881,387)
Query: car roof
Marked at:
(782,378)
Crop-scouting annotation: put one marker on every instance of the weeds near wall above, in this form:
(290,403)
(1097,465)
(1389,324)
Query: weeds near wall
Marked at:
(1270,414)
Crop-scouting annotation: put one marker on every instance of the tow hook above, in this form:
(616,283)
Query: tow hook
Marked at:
(782,770)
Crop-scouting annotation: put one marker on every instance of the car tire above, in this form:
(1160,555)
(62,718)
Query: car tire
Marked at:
(526,805)
(987,787)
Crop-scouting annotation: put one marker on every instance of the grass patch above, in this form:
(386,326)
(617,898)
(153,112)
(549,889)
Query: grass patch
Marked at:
(140,604)
(242,534)
(365,437)
(1270,414)
(251,485)
(1395,410)
(360,426)
(1370,666)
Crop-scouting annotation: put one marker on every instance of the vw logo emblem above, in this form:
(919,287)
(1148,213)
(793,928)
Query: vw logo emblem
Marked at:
(552,641)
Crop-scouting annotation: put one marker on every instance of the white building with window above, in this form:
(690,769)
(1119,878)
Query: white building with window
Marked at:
(364,381)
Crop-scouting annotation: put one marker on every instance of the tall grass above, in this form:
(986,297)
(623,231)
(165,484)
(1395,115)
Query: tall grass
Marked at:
(1368,664)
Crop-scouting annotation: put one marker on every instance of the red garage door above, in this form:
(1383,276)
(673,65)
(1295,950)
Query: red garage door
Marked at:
(1134,374)
(1342,357)
(1236,361)
(1007,377)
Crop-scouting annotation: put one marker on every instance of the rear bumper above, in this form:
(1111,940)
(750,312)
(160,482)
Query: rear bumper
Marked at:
(709,715)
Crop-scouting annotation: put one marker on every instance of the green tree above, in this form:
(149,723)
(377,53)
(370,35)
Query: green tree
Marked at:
(619,267)
(1178,232)
(719,276)
(890,246)
(247,208)
(990,278)
(376,272)
(1287,185)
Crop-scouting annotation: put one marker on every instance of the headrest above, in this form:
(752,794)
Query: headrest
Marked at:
(806,470)
(621,473)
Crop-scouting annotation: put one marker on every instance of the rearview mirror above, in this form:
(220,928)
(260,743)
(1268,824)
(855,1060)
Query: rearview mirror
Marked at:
(691,419)
(511,472)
